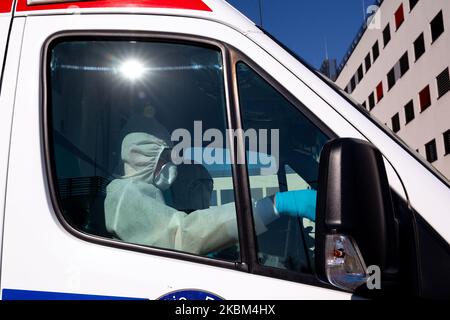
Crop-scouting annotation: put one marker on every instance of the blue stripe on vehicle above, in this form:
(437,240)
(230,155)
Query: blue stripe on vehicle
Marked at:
(13,294)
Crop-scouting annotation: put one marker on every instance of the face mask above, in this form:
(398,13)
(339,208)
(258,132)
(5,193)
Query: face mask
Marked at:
(166,176)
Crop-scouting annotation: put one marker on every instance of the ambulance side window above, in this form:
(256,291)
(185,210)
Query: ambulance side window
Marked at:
(289,161)
(118,111)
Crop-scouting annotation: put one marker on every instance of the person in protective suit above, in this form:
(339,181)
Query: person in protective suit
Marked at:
(136,212)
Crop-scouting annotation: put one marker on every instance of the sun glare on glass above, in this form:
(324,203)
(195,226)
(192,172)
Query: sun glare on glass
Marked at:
(132,69)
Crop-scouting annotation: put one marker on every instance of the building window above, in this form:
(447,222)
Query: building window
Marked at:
(437,26)
(409,112)
(347,89)
(412,4)
(404,64)
(396,123)
(419,46)
(375,51)
(431,151)
(447,142)
(380,93)
(425,98)
(360,73)
(352,84)
(443,82)
(399,16)
(387,35)
(364,105)
(368,62)
(371,101)
(391,78)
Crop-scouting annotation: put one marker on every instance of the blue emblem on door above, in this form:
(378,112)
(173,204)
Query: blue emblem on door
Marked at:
(190,294)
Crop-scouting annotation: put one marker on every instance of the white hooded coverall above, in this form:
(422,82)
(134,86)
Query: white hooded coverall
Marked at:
(135,210)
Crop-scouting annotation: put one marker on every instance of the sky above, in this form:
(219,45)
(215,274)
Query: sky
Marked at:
(308,27)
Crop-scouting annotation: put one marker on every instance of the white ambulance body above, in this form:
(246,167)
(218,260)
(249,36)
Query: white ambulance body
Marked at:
(43,255)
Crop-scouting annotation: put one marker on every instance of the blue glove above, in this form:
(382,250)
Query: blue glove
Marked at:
(298,203)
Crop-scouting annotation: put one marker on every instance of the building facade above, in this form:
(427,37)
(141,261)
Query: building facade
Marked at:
(398,69)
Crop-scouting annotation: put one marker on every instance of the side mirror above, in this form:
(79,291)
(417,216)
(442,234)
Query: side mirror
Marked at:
(355,224)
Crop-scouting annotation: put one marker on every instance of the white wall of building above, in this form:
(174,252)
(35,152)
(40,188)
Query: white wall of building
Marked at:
(432,122)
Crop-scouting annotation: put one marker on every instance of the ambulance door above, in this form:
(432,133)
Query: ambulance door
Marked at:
(84,86)
(9,65)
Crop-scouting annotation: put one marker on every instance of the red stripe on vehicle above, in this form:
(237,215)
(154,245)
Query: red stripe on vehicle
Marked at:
(5,6)
(172,4)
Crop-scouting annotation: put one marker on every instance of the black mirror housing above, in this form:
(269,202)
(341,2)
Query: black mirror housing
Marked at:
(354,199)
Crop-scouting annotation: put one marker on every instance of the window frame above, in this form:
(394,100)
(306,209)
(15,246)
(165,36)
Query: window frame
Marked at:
(231,56)
(48,143)
(255,267)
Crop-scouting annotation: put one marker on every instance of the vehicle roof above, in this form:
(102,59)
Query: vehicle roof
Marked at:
(217,10)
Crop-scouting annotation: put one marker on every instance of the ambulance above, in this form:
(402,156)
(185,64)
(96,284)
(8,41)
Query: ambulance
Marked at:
(76,75)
